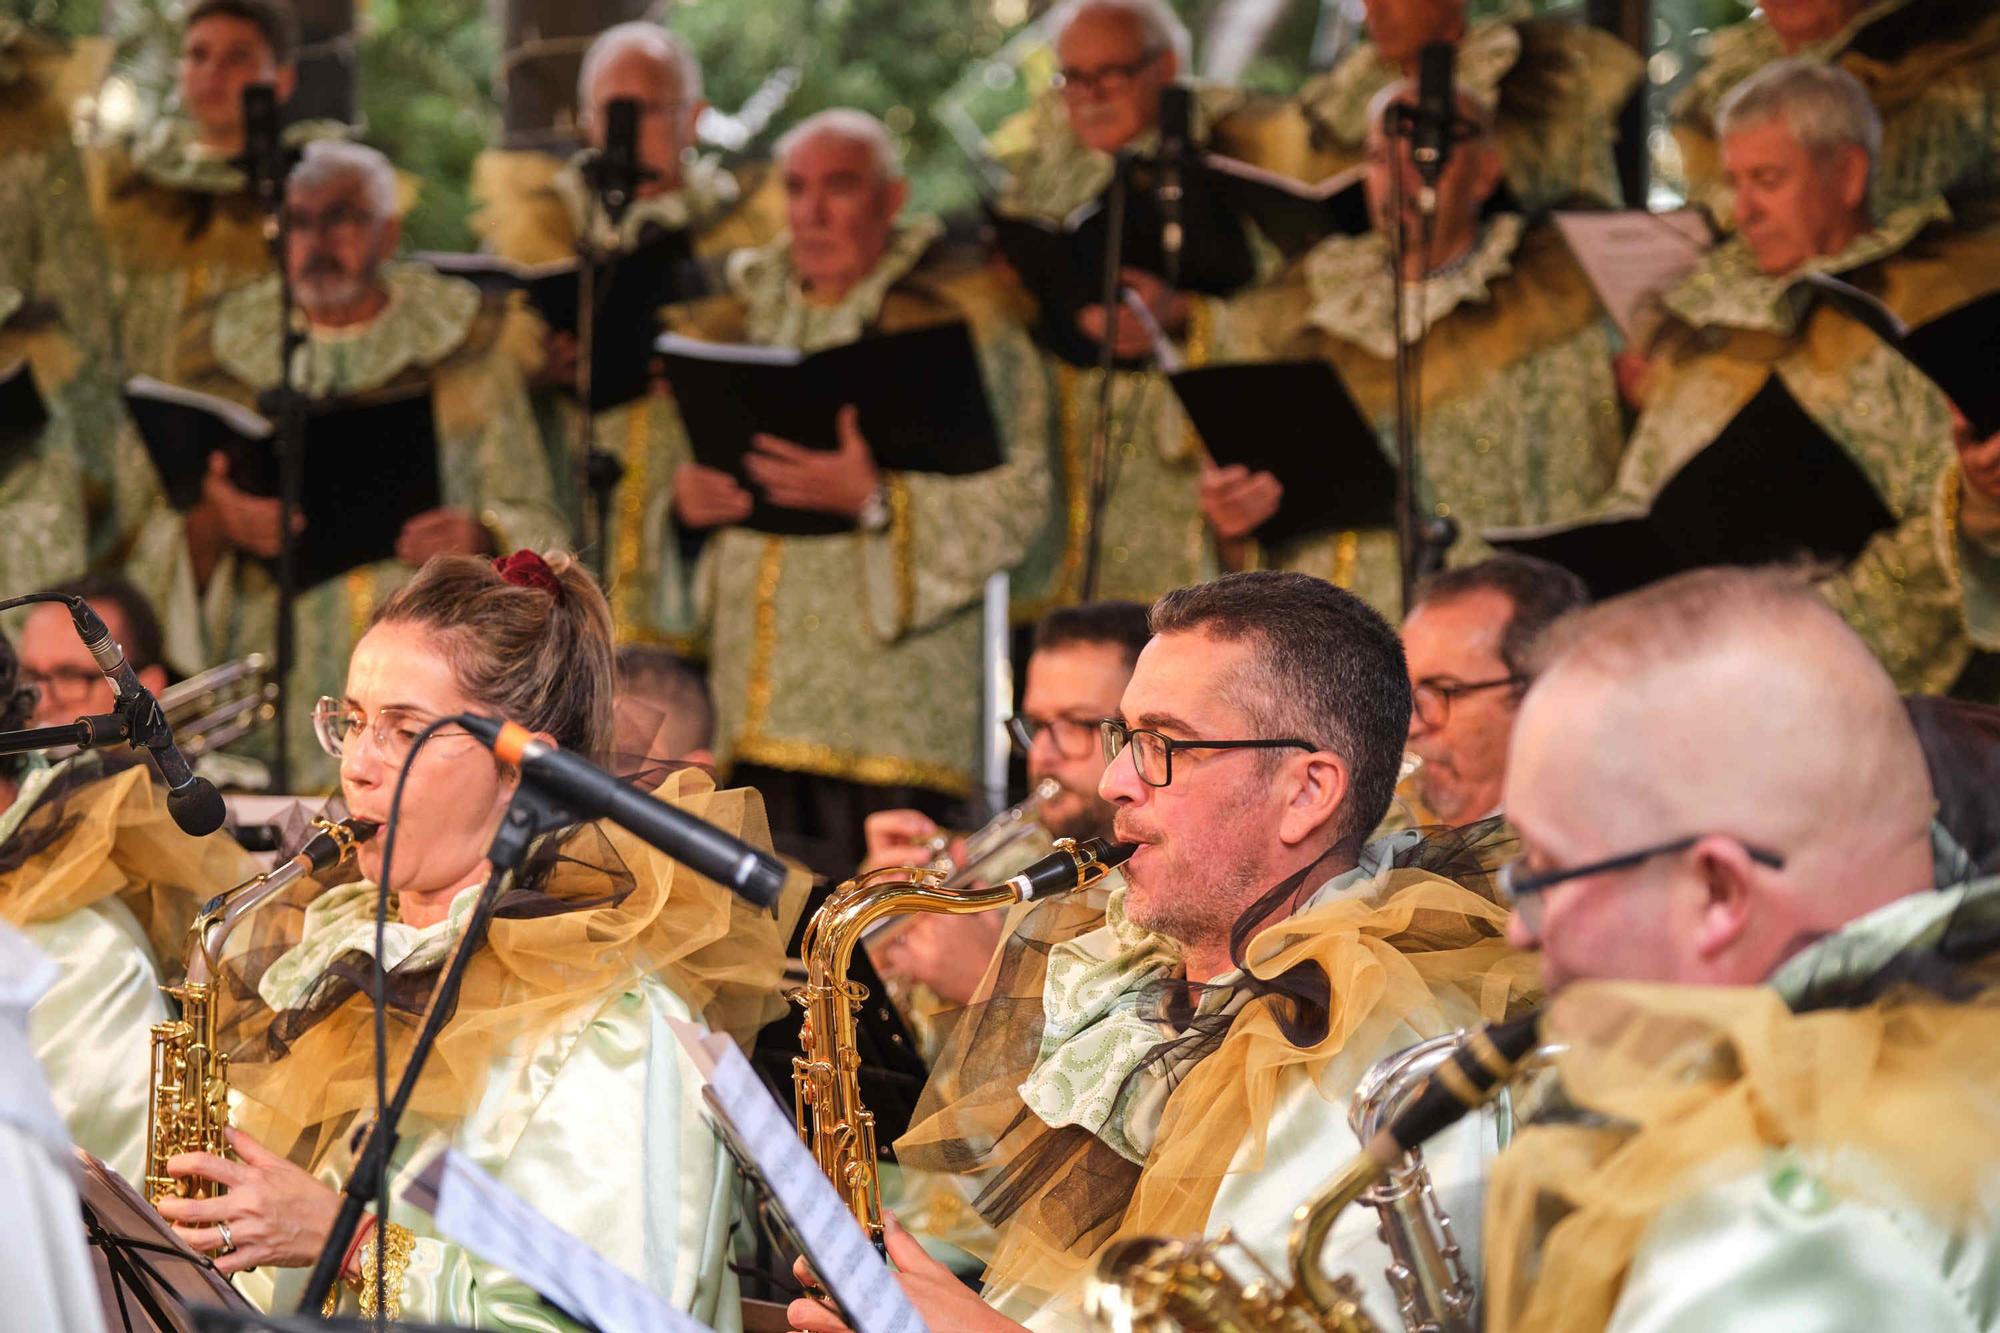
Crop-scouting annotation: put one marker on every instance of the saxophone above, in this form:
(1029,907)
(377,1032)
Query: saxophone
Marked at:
(826,1089)
(188,1106)
(1156,1285)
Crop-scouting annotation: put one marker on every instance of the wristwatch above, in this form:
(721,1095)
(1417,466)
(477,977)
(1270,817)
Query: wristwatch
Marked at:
(874,515)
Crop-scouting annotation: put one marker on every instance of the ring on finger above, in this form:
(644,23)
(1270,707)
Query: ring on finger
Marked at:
(228,1241)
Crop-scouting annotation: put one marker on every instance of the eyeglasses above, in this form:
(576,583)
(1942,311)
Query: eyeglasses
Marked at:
(394,730)
(1104,81)
(1432,697)
(63,684)
(1073,738)
(1153,752)
(339,220)
(1523,890)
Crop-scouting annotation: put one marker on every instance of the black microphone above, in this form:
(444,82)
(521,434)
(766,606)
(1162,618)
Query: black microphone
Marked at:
(193,802)
(1437,113)
(615,172)
(1176,119)
(264,159)
(589,792)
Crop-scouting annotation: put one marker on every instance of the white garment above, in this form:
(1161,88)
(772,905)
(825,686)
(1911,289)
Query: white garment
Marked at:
(45,1273)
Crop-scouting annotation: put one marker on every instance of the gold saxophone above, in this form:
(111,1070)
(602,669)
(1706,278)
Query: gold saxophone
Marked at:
(188,1106)
(1152,1284)
(826,1089)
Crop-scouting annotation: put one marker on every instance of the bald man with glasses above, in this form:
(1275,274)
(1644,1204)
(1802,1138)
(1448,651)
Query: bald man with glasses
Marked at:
(1780,1085)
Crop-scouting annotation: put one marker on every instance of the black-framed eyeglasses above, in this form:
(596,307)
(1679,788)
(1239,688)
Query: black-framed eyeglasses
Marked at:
(1074,738)
(62,684)
(1523,890)
(1105,80)
(1153,752)
(1432,697)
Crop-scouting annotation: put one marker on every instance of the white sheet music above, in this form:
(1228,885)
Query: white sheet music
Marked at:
(834,1243)
(487,1218)
(1631,255)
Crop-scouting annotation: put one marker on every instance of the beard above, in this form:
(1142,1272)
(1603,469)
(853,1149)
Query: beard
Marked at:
(1193,884)
(329,288)
(1083,815)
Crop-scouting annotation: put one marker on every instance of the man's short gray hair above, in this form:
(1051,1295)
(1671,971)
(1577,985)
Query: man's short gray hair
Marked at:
(844,122)
(673,56)
(327,160)
(1824,105)
(1160,29)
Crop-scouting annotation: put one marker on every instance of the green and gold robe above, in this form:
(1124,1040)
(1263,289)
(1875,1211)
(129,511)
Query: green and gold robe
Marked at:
(1732,327)
(1153,537)
(533,211)
(1556,89)
(1932,68)
(1520,418)
(435,332)
(182,232)
(856,655)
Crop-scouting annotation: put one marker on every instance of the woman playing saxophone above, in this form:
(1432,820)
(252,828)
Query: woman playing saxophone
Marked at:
(555,1072)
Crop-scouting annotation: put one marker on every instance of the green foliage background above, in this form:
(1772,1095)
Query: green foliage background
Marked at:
(427,87)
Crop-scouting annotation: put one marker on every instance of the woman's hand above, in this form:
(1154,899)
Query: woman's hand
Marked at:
(275,1212)
(942,1300)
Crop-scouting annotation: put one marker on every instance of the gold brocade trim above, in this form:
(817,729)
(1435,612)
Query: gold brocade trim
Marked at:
(360,602)
(387,1299)
(1069,389)
(1346,546)
(875,770)
(763,641)
(631,517)
(899,545)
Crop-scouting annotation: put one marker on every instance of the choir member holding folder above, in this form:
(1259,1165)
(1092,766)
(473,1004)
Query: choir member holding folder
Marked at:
(1519,419)
(1800,400)
(686,210)
(418,440)
(857,502)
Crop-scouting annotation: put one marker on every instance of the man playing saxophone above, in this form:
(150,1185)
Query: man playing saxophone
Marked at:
(1183,1056)
(1717,788)
(98,877)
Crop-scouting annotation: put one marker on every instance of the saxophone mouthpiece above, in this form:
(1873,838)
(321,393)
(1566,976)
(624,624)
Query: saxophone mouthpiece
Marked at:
(334,843)
(1072,866)
(1476,1071)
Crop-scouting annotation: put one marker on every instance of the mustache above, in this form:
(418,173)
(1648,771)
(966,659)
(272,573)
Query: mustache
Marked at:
(319,264)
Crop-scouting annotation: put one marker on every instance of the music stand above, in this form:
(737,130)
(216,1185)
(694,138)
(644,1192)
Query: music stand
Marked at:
(148,1278)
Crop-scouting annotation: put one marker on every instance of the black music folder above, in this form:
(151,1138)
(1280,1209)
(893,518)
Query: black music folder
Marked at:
(1295,420)
(1773,486)
(1960,352)
(23,413)
(370,465)
(630,287)
(922,403)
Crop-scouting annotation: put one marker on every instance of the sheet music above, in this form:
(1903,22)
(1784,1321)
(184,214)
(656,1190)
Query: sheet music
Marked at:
(1632,255)
(834,1243)
(487,1218)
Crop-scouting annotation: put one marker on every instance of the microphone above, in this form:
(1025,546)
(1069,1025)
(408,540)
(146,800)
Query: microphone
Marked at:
(1176,120)
(591,793)
(616,172)
(264,159)
(193,802)
(1437,113)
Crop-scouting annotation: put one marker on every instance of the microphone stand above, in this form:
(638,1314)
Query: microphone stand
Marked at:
(85,733)
(268,171)
(1098,473)
(1421,539)
(529,815)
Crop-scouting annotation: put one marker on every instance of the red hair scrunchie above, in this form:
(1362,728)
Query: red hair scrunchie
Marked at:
(525,569)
